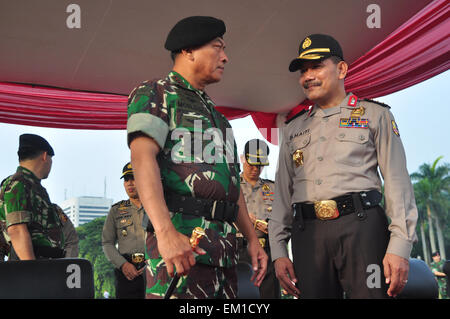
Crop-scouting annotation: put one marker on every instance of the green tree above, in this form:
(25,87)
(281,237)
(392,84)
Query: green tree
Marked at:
(433,193)
(90,235)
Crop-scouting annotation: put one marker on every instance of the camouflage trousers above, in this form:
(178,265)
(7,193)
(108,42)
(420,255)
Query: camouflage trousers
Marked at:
(202,282)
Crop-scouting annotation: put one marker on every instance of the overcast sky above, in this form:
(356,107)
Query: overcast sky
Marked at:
(84,159)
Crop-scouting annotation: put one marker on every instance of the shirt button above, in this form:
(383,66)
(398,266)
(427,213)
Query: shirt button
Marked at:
(322,138)
(325,119)
(362,137)
(342,135)
(320,158)
(318,181)
(304,142)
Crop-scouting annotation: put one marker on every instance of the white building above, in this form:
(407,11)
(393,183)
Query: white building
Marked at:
(83,209)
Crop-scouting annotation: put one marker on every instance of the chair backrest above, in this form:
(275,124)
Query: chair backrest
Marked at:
(421,283)
(67,278)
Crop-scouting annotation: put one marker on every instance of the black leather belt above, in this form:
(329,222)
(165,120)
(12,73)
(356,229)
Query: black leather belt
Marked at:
(344,205)
(208,208)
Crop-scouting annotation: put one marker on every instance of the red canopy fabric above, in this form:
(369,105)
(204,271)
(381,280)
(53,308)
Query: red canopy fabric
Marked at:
(416,51)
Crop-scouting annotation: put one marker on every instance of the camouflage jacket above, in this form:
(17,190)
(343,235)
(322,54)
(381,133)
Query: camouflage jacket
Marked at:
(198,155)
(24,200)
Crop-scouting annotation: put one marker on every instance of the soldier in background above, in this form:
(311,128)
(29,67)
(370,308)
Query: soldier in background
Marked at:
(31,220)
(123,226)
(437,269)
(259,195)
(71,239)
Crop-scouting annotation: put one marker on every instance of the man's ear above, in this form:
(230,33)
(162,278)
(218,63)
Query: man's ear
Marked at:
(188,53)
(342,69)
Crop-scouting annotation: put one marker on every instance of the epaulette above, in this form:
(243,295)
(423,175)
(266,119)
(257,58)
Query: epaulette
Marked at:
(268,180)
(295,116)
(377,102)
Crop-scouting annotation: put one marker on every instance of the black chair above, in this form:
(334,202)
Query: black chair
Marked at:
(421,283)
(246,289)
(68,278)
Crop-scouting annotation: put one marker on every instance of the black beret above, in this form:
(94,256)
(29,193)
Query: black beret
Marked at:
(31,143)
(193,32)
(256,152)
(316,47)
(127,170)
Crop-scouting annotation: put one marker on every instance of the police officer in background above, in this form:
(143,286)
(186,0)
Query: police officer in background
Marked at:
(328,189)
(123,226)
(71,239)
(259,196)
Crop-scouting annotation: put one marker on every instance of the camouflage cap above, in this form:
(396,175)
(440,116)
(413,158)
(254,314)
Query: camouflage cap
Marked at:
(194,31)
(256,152)
(29,143)
(316,47)
(127,170)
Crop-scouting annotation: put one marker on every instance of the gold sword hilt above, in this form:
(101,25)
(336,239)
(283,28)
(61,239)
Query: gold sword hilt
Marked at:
(197,234)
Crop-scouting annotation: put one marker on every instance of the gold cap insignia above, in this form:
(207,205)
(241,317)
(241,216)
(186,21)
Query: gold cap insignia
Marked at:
(306,43)
(297,157)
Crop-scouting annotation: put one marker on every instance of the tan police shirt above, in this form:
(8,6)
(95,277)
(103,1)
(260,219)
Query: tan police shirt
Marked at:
(259,199)
(71,239)
(332,152)
(123,226)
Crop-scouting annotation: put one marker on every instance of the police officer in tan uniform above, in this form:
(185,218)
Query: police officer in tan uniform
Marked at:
(123,226)
(71,239)
(328,189)
(259,196)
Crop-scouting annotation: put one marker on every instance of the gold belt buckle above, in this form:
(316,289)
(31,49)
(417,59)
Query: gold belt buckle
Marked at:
(137,258)
(326,209)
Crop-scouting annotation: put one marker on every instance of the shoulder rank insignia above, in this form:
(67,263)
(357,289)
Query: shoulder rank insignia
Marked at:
(377,102)
(395,128)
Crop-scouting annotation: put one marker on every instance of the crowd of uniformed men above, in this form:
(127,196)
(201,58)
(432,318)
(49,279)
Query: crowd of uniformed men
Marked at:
(325,197)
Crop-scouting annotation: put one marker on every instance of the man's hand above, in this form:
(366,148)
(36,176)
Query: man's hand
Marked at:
(396,270)
(130,271)
(284,270)
(259,262)
(177,252)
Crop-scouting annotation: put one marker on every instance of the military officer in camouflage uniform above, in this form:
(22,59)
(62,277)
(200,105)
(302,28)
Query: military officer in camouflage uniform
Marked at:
(259,195)
(71,239)
(187,170)
(123,226)
(31,220)
(328,189)
(437,269)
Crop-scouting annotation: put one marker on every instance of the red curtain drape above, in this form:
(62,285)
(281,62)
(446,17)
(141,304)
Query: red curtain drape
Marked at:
(416,51)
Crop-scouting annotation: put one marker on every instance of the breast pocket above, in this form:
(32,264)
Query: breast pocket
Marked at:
(300,152)
(124,226)
(351,146)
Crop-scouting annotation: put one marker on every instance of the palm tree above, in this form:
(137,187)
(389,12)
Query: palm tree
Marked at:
(434,186)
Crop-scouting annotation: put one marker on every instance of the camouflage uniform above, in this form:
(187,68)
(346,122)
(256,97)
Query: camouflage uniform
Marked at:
(442,281)
(25,200)
(165,109)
